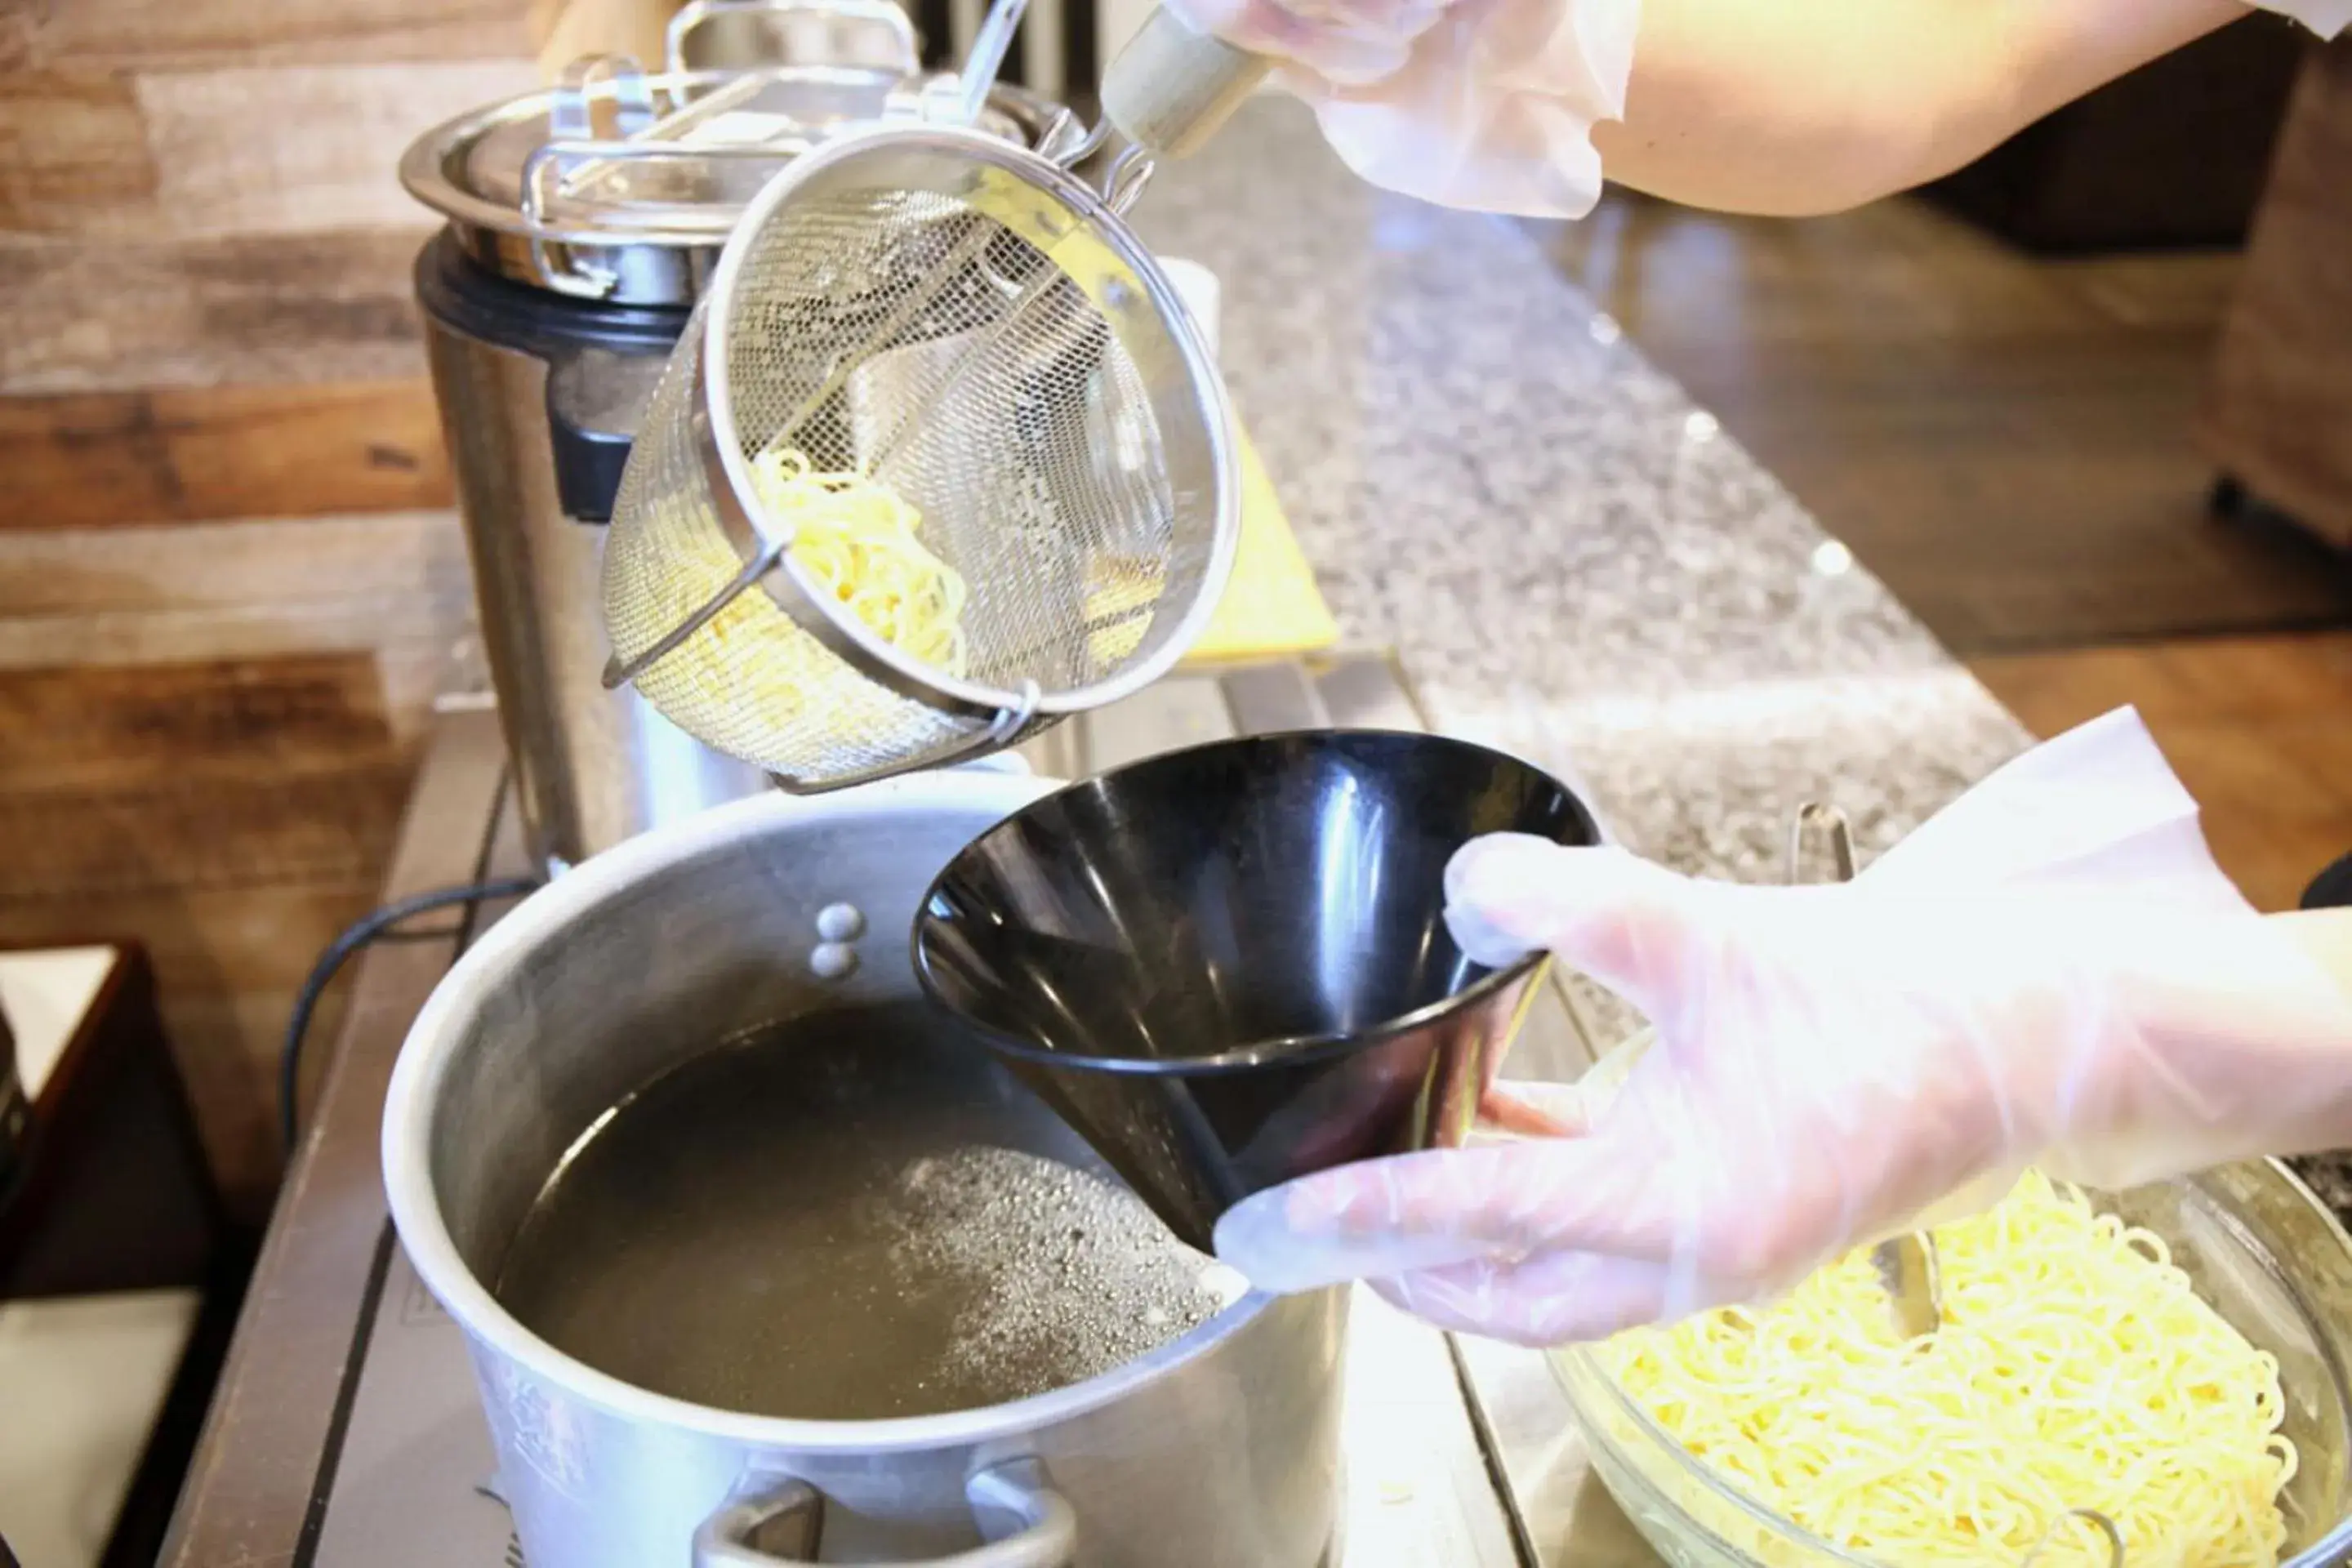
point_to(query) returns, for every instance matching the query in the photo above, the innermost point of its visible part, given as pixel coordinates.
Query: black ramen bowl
(1229, 967)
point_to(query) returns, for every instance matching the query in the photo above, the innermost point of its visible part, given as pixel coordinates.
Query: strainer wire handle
(838, 373)
(1001, 733)
(1028, 292)
(1130, 171)
(1069, 140)
(618, 673)
(988, 51)
(1821, 826)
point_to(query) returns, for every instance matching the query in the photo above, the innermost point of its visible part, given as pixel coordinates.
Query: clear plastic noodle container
(2258, 1246)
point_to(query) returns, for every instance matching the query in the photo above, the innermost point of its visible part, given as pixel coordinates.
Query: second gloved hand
(1832, 1066)
(1482, 104)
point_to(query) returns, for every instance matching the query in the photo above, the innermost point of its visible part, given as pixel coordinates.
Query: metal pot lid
(565, 188)
(659, 159)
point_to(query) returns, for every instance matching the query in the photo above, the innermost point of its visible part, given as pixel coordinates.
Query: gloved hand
(2058, 976)
(1483, 104)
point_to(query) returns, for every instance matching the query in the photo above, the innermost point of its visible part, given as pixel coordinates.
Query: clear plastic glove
(1484, 104)
(2053, 973)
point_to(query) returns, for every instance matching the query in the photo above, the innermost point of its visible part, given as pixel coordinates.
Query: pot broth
(850, 1217)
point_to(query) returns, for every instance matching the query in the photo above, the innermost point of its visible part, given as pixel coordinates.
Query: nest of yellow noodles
(2077, 1368)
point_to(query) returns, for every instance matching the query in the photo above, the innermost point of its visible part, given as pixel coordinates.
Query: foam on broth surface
(851, 1217)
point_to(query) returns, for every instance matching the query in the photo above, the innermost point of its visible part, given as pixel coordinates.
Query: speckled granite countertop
(1573, 562)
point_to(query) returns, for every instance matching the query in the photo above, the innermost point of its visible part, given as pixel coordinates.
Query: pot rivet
(833, 960)
(840, 922)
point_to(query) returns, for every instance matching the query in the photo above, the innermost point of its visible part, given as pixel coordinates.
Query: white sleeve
(2326, 17)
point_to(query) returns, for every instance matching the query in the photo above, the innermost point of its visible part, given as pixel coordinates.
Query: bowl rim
(1301, 1049)
(1568, 1362)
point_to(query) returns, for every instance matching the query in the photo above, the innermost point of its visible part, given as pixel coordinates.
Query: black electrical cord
(357, 936)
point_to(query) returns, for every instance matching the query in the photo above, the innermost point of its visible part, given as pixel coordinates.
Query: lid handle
(593, 80)
(872, 34)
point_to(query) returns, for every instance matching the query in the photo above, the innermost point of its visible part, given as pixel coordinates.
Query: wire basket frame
(967, 324)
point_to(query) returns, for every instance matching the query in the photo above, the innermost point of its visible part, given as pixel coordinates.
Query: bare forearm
(2326, 936)
(1788, 107)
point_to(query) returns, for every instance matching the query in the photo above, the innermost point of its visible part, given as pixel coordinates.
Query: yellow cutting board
(1271, 604)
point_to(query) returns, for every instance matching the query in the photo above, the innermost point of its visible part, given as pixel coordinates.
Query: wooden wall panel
(73, 153)
(188, 454)
(219, 172)
(210, 729)
(18, 24)
(189, 153)
(245, 309)
(232, 815)
(394, 587)
(205, 833)
(152, 34)
(97, 728)
(230, 585)
(388, 574)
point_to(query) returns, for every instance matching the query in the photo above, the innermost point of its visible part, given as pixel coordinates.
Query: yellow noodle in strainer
(2075, 1369)
(856, 536)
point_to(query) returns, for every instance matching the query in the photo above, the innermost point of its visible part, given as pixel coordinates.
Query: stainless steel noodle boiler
(583, 222)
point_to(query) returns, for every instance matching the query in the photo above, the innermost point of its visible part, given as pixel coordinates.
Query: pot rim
(422, 1065)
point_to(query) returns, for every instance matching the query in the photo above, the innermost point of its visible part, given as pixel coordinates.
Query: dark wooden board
(250, 719)
(2279, 402)
(232, 816)
(240, 309)
(179, 33)
(185, 454)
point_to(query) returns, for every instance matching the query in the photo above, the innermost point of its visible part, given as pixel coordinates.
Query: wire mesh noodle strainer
(966, 323)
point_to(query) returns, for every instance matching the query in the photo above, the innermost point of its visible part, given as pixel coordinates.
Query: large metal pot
(1220, 1448)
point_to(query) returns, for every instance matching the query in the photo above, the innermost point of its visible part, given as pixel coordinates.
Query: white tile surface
(82, 1381)
(43, 995)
